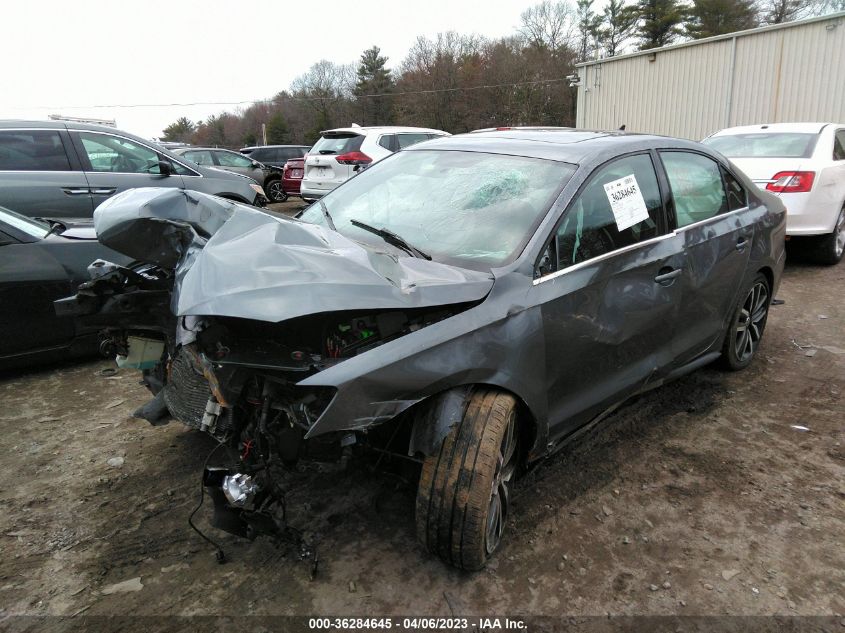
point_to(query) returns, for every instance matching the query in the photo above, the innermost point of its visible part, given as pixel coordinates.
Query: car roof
(763, 128)
(382, 128)
(254, 147)
(204, 148)
(562, 144)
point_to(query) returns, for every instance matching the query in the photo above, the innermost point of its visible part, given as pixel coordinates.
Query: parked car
(803, 164)
(41, 261)
(473, 303)
(65, 170)
(275, 155)
(292, 176)
(343, 152)
(270, 178)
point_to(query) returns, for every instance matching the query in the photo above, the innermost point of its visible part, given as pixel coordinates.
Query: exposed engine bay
(237, 379)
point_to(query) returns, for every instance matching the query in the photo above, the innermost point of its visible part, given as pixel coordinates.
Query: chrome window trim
(132, 140)
(631, 247)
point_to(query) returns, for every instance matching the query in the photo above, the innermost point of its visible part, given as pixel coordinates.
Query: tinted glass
(109, 153)
(388, 142)
(200, 157)
(696, 183)
(337, 144)
(478, 209)
(36, 150)
(406, 140)
(786, 145)
(839, 145)
(230, 159)
(737, 198)
(591, 228)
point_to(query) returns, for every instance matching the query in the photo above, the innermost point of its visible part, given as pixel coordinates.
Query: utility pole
(264, 134)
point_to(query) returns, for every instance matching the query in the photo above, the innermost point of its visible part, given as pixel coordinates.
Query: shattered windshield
(473, 207)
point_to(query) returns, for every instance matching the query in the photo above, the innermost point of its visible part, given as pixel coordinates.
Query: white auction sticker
(626, 201)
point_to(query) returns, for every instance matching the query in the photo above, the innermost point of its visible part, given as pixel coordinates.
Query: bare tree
(780, 11)
(550, 25)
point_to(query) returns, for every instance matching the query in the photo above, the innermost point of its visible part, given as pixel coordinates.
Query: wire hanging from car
(220, 555)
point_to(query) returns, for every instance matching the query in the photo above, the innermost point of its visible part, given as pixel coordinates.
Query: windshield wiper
(392, 238)
(327, 215)
(55, 226)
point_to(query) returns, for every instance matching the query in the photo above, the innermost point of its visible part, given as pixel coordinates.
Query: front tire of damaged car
(747, 325)
(463, 498)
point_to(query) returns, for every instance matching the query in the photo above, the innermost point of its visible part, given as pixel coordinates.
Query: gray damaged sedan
(471, 303)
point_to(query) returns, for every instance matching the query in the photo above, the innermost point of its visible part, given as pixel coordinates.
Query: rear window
(32, 150)
(337, 144)
(773, 145)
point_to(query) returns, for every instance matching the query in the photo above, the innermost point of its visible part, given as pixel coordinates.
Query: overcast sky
(61, 56)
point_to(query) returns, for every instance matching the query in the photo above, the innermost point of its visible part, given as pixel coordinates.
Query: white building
(784, 72)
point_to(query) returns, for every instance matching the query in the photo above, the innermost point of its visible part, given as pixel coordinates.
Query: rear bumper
(805, 216)
(291, 185)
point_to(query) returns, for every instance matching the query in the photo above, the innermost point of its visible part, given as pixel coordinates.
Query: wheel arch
(434, 417)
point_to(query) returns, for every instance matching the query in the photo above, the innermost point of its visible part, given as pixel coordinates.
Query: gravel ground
(718, 494)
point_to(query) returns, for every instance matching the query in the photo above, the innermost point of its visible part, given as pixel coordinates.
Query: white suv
(341, 153)
(803, 164)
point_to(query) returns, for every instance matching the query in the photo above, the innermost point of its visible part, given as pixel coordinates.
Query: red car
(292, 175)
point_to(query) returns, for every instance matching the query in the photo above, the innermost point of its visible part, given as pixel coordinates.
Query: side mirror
(165, 168)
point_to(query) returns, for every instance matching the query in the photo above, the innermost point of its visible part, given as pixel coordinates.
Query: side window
(737, 198)
(697, 188)
(406, 140)
(620, 206)
(32, 150)
(839, 145)
(388, 142)
(108, 153)
(230, 159)
(202, 157)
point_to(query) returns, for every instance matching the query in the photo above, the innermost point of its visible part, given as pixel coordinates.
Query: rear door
(709, 210)
(40, 175)
(608, 291)
(114, 163)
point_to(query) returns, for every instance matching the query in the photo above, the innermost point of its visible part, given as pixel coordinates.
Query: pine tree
(618, 24)
(277, 130)
(716, 17)
(180, 131)
(374, 79)
(659, 22)
(588, 24)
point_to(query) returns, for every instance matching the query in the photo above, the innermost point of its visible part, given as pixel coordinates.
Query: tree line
(460, 82)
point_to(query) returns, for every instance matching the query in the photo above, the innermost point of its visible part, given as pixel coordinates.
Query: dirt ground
(719, 494)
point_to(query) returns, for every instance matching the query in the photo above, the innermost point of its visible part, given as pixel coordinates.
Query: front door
(115, 163)
(608, 290)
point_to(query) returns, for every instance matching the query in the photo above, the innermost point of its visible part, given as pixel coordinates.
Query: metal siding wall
(789, 74)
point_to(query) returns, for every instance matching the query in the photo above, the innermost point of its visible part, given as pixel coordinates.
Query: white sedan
(804, 164)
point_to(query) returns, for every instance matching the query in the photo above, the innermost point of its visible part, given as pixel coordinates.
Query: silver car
(65, 170)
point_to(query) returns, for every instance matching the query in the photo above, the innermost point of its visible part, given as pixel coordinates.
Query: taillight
(792, 181)
(354, 158)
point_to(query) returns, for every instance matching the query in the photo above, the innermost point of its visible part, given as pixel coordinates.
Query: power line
(293, 98)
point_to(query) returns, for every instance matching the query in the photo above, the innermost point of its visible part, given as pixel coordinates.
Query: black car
(275, 155)
(41, 261)
(471, 303)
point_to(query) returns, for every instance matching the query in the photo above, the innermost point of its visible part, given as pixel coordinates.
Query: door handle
(104, 191)
(75, 191)
(668, 276)
(741, 243)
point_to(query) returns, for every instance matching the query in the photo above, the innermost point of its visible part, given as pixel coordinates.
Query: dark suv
(65, 170)
(275, 155)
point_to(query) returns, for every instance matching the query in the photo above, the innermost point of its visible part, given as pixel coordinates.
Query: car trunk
(763, 170)
(322, 169)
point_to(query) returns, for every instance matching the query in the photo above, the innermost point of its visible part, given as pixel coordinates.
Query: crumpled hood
(267, 268)
(235, 260)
